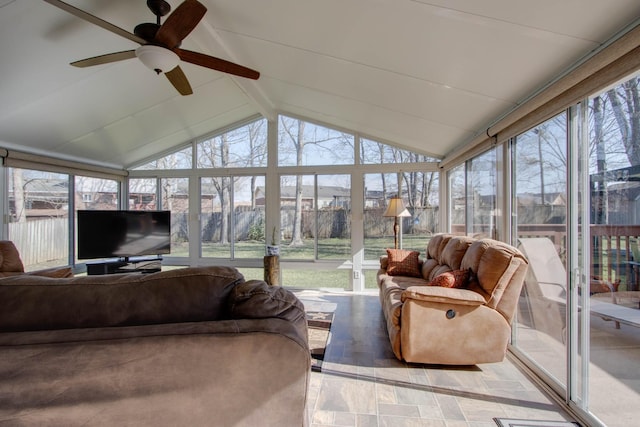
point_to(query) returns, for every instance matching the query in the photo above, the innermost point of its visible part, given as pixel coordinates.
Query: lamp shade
(396, 208)
(157, 58)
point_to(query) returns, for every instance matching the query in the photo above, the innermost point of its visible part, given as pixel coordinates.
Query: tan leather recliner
(454, 326)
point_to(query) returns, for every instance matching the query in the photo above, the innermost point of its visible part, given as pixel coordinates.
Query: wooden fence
(42, 240)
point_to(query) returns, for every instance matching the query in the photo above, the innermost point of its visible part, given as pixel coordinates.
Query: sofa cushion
(494, 263)
(455, 250)
(173, 296)
(451, 279)
(403, 263)
(436, 245)
(444, 295)
(255, 299)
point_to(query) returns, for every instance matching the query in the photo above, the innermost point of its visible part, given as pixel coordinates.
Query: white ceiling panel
(423, 74)
(407, 130)
(575, 18)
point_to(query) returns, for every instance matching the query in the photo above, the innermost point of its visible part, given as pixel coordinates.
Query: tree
(18, 195)
(295, 138)
(216, 153)
(258, 149)
(601, 198)
(625, 105)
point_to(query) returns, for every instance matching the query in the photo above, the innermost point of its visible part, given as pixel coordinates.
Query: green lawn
(328, 249)
(311, 278)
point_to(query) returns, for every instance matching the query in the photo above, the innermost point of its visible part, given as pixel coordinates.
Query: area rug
(319, 326)
(509, 422)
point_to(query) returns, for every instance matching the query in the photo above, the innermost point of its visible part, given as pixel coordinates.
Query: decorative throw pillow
(403, 263)
(451, 279)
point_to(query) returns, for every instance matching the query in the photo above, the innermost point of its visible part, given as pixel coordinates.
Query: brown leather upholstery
(10, 261)
(431, 324)
(11, 264)
(190, 347)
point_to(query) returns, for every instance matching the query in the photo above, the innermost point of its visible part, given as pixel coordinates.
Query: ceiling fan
(160, 43)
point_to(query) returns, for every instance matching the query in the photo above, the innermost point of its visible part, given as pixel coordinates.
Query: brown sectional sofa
(194, 346)
(454, 326)
(11, 264)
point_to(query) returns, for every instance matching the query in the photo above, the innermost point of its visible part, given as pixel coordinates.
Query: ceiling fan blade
(96, 21)
(217, 64)
(179, 81)
(180, 23)
(105, 59)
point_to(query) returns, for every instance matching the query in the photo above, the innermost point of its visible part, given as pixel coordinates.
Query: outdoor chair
(546, 288)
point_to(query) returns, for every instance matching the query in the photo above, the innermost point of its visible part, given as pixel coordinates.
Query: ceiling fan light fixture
(157, 58)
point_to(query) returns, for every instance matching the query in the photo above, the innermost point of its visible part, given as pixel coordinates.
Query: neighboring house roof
(47, 186)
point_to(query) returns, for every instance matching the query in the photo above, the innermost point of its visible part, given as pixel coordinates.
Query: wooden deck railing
(615, 251)
(615, 255)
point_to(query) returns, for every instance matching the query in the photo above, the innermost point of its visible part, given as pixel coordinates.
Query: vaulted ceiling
(427, 75)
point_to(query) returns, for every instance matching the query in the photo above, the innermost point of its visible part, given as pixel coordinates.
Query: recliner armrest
(441, 294)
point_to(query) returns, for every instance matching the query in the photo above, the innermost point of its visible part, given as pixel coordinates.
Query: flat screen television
(123, 234)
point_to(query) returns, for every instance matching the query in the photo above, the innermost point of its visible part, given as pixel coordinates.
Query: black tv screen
(123, 234)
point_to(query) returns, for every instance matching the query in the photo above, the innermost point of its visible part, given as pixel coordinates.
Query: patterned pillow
(451, 279)
(403, 263)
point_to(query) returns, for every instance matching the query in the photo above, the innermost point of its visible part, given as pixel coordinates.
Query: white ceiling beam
(251, 88)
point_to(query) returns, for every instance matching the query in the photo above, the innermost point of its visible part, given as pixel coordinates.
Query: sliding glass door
(610, 286)
(576, 216)
(539, 183)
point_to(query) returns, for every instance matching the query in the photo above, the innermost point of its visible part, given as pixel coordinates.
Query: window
(457, 199)
(39, 217)
(611, 173)
(482, 194)
(245, 147)
(96, 193)
(315, 216)
(175, 198)
(178, 160)
(419, 192)
(315, 169)
(302, 143)
(540, 212)
(378, 153)
(232, 217)
(142, 194)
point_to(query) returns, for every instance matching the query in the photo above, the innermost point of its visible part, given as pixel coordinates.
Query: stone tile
(385, 393)
(344, 395)
(390, 421)
(431, 412)
(455, 423)
(417, 395)
(450, 408)
(399, 410)
(344, 419)
(322, 417)
(362, 384)
(366, 420)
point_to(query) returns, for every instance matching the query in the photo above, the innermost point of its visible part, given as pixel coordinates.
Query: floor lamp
(396, 210)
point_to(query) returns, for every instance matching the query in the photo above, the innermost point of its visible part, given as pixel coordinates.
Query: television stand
(126, 265)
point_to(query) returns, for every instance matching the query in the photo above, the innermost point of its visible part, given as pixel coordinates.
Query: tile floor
(363, 384)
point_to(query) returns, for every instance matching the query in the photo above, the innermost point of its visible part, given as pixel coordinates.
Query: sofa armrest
(55, 272)
(444, 295)
(255, 299)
